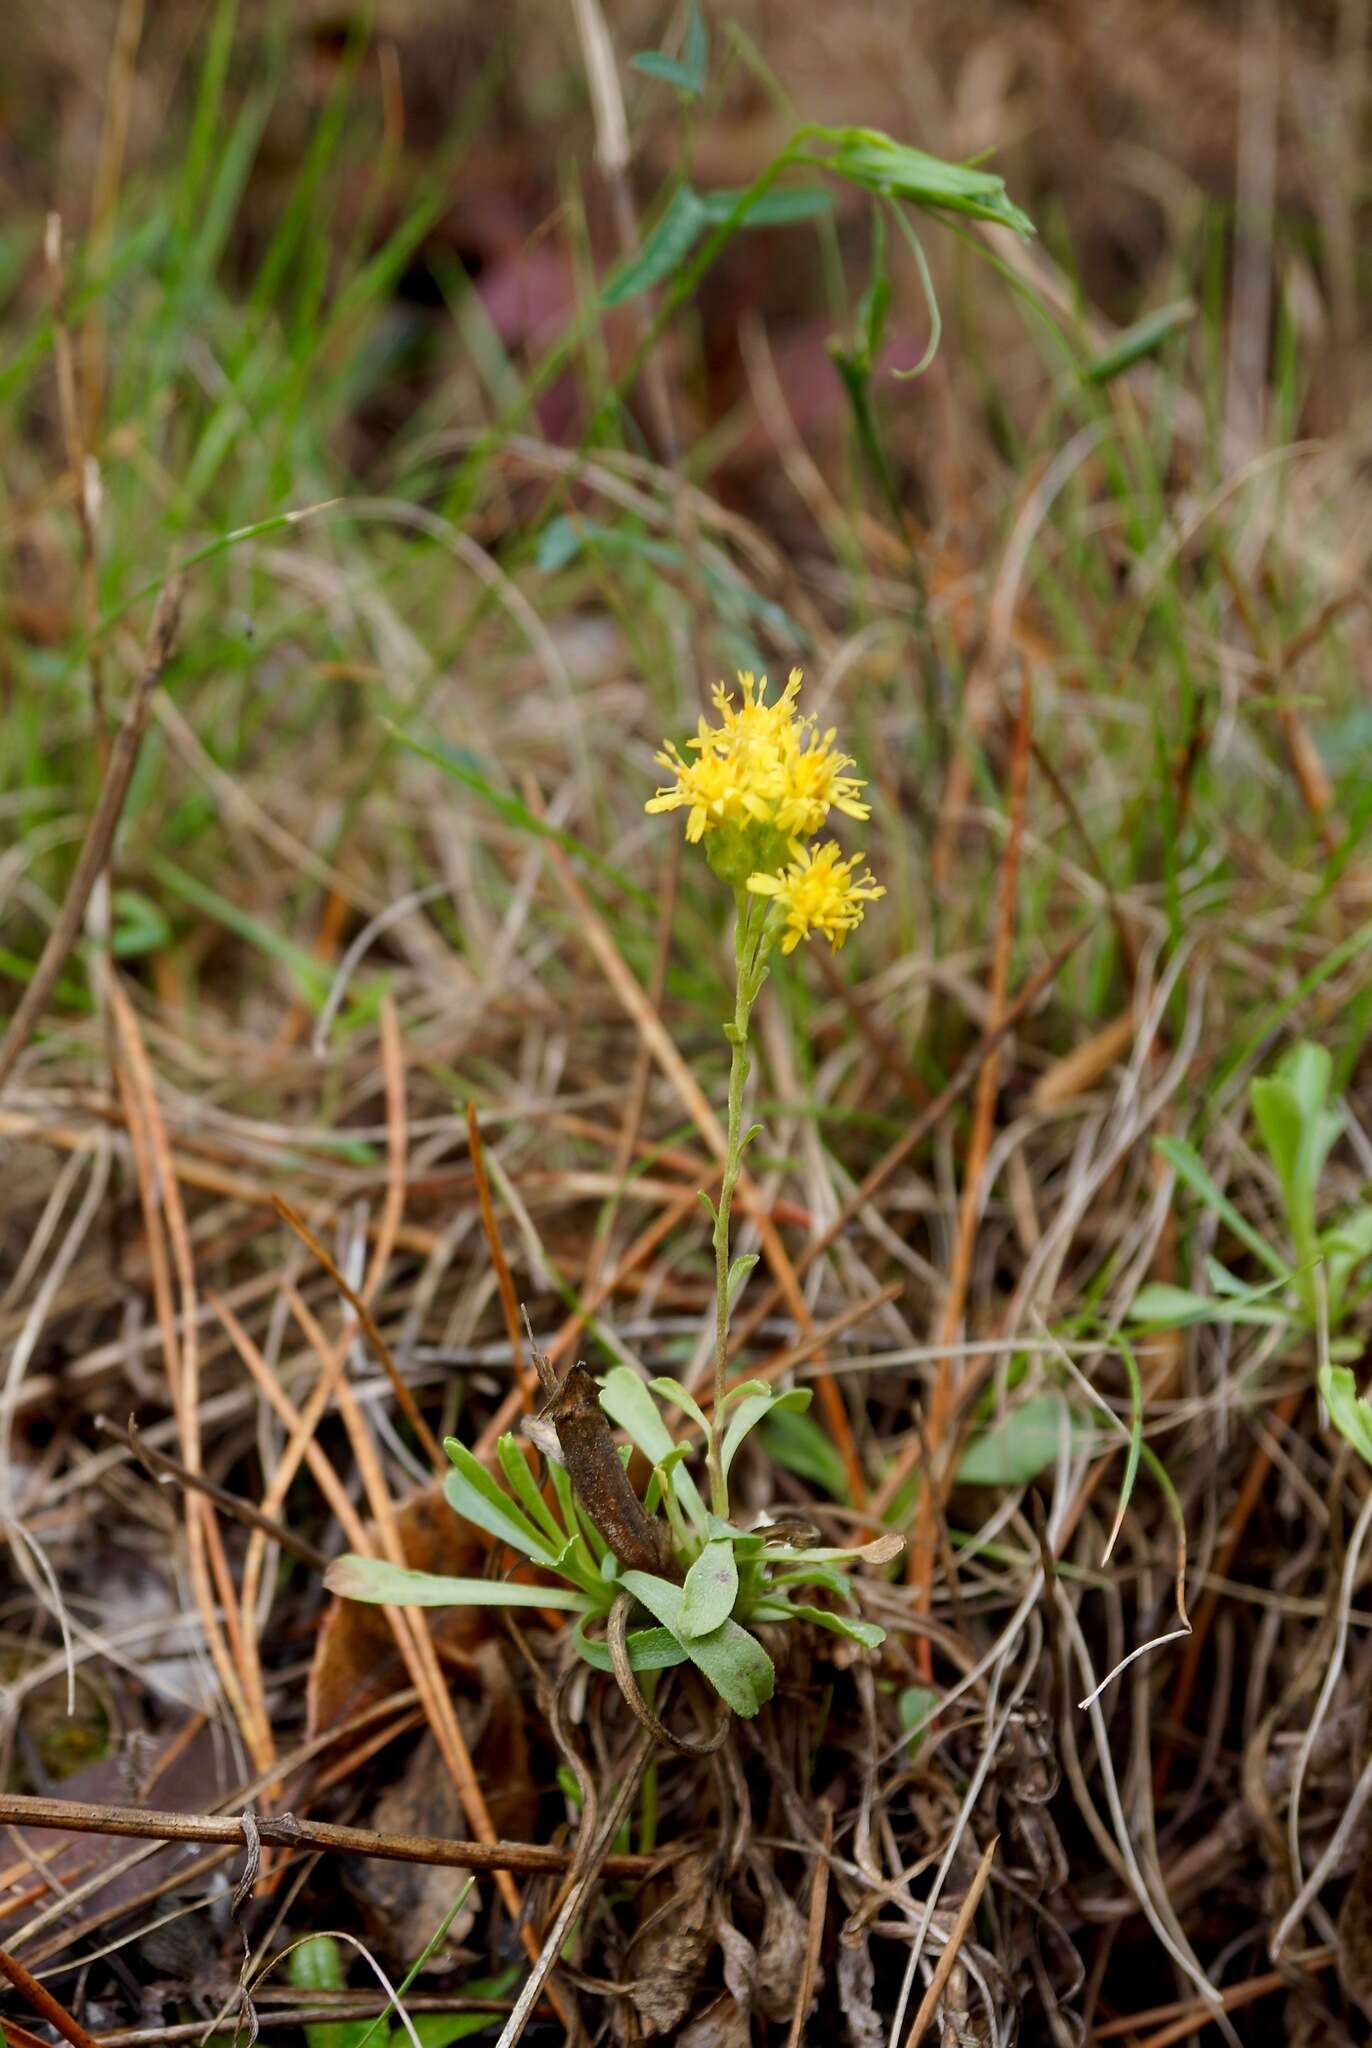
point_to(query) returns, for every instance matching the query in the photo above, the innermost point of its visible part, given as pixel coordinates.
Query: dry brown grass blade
(957, 1934)
(814, 1932)
(509, 1302)
(239, 1670)
(99, 833)
(43, 2003)
(380, 1349)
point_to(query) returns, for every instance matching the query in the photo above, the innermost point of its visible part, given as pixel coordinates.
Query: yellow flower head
(819, 891)
(763, 771)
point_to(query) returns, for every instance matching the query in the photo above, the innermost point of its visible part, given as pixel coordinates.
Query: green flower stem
(750, 957)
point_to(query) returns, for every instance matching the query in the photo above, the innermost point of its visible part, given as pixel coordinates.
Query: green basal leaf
(650, 1649)
(711, 1588)
(916, 1707)
(735, 1663)
(750, 1410)
(868, 1633)
(382, 1584)
(627, 1401)
(880, 1550)
(525, 1489)
(472, 1491)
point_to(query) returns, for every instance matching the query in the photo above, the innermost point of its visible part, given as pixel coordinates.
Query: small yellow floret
(819, 891)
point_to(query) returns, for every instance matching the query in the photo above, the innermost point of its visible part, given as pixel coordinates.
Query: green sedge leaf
(471, 1490)
(526, 1491)
(1144, 338)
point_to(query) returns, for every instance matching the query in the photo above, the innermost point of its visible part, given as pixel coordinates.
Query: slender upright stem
(747, 950)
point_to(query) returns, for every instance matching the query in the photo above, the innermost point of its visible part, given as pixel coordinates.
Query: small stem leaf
(681, 1397)
(391, 1585)
(735, 1663)
(695, 50)
(778, 208)
(709, 1206)
(670, 70)
(751, 1409)
(738, 1273)
(711, 1589)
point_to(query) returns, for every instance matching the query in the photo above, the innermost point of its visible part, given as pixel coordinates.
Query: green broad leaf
(1018, 1446)
(650, 1649)
(1144, 338)
(670, 70)
(780, 207)
(735, 1663)
(681, 1397)
(391, 1585)
(738, 1273)
(526, 1491)
(1277, 1113)
(668, 245)
(475, 1494)
(1349, 1411)
(139, 925)
(867, 157)
(798, 1444)
(627, 1401)
(711, 1589)
(751, 1409)
(1188, 1166)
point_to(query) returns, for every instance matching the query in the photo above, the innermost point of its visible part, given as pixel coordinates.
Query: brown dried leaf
(725, 2025)
(781, 1949)
(403, 1903)
(670, 1959)
(856, 1985)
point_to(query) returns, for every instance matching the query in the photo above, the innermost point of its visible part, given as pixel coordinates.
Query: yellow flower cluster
(757, 785)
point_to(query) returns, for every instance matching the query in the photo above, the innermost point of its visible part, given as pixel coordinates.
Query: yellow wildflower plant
(819, 891)
(756, 786)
